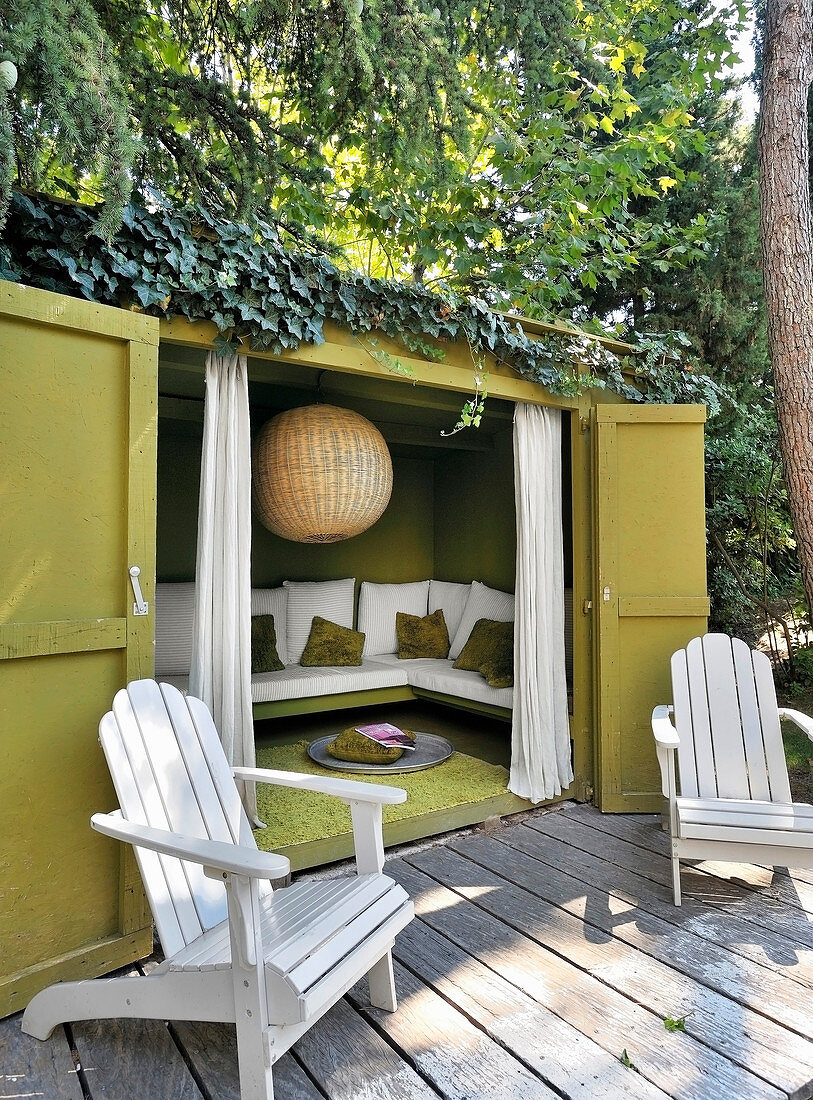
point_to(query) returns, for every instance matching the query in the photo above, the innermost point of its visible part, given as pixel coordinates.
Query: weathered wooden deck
(544, 962)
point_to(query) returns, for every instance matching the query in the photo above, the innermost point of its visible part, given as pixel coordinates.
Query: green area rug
(294, 817)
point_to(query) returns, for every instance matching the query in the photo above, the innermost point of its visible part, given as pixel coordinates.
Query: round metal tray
(430, 749)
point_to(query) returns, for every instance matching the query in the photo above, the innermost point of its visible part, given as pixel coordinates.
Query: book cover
(385, 733)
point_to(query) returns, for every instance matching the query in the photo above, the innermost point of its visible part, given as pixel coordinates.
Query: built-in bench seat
(382, 677)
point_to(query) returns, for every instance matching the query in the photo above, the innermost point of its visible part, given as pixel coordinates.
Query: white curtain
(540, 735)
(221, 647)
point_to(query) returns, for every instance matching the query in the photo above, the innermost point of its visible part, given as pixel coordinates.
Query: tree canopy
(514, 151)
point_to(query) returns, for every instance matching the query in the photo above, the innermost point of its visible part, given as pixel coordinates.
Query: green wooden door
(650, 582)
(78, 399)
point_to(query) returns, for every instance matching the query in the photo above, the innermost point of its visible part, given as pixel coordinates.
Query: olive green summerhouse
(100, 438)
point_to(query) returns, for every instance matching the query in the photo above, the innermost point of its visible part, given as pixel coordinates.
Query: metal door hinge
(140, 607)
(587, 607)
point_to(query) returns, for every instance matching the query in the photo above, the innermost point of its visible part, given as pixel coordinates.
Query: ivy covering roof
(172, 262)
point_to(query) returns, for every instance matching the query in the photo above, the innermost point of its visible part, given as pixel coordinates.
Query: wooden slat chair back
(734, 801)
(727, 719)
(270, 961)
(170, 772)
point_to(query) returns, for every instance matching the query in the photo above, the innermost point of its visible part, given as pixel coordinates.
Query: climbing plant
(187, 262)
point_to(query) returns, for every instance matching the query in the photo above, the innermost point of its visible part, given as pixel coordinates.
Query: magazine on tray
(385, 733)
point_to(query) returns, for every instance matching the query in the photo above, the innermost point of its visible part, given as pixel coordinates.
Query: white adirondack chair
(734, 802)
(270, 961)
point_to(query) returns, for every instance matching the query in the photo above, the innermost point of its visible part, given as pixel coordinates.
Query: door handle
(140, 607)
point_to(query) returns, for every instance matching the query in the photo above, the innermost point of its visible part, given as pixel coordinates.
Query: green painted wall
(475, 530)
(475, 522)
(179, 445)
(397, 548)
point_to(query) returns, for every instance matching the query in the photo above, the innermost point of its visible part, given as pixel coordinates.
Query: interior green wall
(475, 529)
(399, 547)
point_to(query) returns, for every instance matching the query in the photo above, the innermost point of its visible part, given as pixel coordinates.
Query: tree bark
(787, 252)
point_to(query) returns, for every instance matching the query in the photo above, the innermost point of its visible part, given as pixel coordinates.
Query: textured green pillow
(489, 644)
(264, 656)
(355, 748)
(499, 673)
(330, 644)
(418, 636)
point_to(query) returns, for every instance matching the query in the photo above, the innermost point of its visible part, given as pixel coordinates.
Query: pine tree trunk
(787, 252)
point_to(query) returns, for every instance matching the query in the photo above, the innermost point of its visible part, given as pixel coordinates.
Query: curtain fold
(221, 646)
(540, 733)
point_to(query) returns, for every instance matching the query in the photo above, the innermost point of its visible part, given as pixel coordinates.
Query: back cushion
(378, 605)
(483, 603)
(174, 618)
(332, 600)
(451, 598)
(274, 601)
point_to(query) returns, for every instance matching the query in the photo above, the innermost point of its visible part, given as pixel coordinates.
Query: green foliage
(675, 1023)
(189, 263)
(518, 152)
(627, 1061)
(802, 681)
(752, 565)
(69, 112)
(577, 203)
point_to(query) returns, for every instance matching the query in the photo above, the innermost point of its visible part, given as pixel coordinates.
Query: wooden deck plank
(732, 886)
(572, 1063)
(349, 1060)
(456, 1057)
(665, 969)
(674, 1061)
(122, 1059)
(553, 839)
(32, 1068)
(212, 1049)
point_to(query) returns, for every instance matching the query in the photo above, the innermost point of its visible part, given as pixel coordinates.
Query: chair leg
(676, 873)
(382, 984)
(254, 1062)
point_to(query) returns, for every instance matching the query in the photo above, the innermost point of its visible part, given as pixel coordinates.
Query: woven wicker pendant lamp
(320, 474)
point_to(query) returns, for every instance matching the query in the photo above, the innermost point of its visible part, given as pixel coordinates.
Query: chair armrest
(801, 720)
(215, 854)
(346, 789)
(662, 728)
(666, 741)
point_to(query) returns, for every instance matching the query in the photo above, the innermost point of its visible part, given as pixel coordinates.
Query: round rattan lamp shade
(320, 474)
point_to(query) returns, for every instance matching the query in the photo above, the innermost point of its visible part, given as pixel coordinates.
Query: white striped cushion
(378, 604)
(300, 682)
(274, 601)
(174, 618)
(483, 603)
(451, 598)
(333, 600)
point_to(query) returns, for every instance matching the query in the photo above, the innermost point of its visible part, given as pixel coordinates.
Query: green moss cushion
(418, 636)
(330, 644)
(490, 645)
(264, 656)
(498, 674)
(354, 747)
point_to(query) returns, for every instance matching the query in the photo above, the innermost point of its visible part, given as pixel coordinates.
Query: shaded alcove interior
(451, 515)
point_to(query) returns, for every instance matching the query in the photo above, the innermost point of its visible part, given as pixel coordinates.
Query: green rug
(294, 817)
